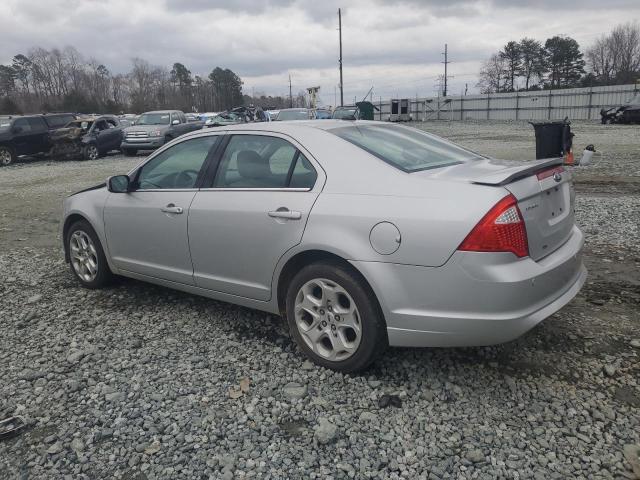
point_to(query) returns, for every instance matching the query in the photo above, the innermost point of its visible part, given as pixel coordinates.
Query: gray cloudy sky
(393, 45)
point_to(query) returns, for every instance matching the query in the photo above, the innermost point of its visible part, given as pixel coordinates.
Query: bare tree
(492, 75)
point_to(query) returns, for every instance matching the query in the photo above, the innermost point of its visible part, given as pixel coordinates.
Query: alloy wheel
(5, 157)
(84, 256)
(328, 319)
(92, 152)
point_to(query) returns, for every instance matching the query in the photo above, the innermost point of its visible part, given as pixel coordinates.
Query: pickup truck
(153, 129)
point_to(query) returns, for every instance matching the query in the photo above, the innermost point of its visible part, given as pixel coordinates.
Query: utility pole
(446, 62)
(340, 61)
(290, 95)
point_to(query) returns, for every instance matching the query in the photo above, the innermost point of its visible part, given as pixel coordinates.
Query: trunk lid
(543, 189)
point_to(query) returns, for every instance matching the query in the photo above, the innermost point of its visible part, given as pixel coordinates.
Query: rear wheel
(129, 152)
(90, 152)
(335, 318)
(86, 256)
(7, 157)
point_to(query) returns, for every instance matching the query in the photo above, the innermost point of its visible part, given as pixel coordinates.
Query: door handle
(285, 213)
(171, 208)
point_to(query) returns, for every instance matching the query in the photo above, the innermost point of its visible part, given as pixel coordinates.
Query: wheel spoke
(328, 319)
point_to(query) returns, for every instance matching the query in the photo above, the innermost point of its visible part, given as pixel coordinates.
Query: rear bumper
(475, 298)
(143, 144)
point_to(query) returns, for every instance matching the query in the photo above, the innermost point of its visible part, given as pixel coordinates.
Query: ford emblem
(557, 177)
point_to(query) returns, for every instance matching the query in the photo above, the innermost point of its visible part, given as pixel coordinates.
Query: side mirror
(175, 122)
(118, 184)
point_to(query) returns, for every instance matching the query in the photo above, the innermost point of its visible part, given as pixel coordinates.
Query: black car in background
(87, 137)
(24, 135)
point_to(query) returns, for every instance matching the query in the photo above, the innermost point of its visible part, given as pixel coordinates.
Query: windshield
(293, 115)
(405, 148)
(153, 119)
(322, 114)
(5, 122)
(349, 113)
(83, 124)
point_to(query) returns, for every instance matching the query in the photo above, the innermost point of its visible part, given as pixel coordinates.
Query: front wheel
(7, 157)
(86, 257)
(335, 318)
(90, 152)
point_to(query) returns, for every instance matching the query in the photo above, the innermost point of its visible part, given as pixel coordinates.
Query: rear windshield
(293, 115)
(405, 148)
(345, 113)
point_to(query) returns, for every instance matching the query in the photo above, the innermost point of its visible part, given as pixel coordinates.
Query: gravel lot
(141, 382)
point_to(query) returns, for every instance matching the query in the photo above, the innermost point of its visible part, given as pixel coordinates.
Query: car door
(23, 137)
(39, 135)
(146, 229)
(106, 135)
(254, 210)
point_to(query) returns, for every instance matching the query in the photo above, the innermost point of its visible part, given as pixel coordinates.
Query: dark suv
(28, 134)
(25, 135)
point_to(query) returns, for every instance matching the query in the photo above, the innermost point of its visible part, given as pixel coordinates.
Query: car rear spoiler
(515, 172)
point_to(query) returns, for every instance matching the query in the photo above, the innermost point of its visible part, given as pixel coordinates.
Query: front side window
(23, 124)
(407, 149)
(176, 167)
(258, 161)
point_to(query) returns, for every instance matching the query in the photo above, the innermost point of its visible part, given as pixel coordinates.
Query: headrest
(252, 165)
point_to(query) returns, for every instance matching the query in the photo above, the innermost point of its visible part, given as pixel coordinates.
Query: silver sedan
(362, 234)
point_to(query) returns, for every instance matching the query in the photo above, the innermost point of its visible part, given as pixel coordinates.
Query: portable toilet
(405, 116)
(395, 110)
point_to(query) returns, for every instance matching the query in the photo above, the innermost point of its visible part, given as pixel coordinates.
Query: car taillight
(500, 230)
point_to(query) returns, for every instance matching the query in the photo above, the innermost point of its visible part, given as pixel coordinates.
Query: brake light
(549, 172)
(502, 229)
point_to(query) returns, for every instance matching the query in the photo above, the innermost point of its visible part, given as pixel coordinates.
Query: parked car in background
(294, 114)
(346, 113)
(629, 112)
(193, 118)
(87, 137)
(127, 119)
(154, 129)
(224, 118)
(322, 114)
(413, 242)
(22, 135)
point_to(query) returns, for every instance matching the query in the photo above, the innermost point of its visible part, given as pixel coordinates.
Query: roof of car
(163, 111)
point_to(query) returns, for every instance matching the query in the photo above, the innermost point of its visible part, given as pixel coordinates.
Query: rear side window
(37, 124)
(260, 161)
(58, 121)
(405, 148)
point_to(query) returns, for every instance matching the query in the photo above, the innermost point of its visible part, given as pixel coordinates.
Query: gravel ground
(141, 382)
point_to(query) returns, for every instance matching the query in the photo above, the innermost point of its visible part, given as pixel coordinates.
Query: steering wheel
(185, 179)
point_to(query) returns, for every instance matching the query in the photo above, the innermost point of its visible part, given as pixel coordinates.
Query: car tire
(86, 256)
(90, 152)
(129, 152)
(7, 156)
(332, 337)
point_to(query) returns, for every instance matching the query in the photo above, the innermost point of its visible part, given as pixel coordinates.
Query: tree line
(63, 80)
(614, 59)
